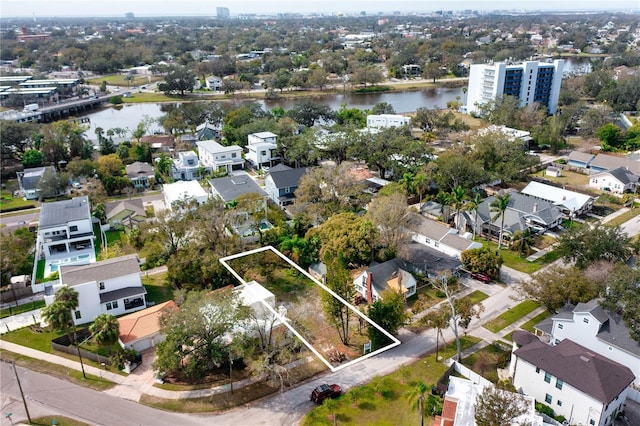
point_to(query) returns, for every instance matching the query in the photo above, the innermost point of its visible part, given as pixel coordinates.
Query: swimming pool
(54, 266)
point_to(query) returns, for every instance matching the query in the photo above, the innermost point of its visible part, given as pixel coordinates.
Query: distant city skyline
(142, 8)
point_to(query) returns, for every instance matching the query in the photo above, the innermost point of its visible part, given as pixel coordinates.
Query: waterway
(128, 116)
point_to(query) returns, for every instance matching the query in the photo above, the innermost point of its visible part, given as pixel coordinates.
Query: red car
(324, 391)
(481, 276)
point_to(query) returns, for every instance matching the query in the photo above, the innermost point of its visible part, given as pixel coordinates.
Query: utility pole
(24, 401)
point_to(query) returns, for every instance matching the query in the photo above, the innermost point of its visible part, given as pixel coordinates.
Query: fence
(8, 295)
(63, 344)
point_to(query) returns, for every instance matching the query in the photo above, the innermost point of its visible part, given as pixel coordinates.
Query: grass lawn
(60, 420)
(382, 401)
(113, 237)
(14, 310)
(476, 297)
(118, 80)
(63, 373)
(138, 98)
(31, 339)
(8, 202)
(624, 217)
(513, 259)
(486, 361)
(533, 321)
(158, 290)
(577, 180)
(512, 315)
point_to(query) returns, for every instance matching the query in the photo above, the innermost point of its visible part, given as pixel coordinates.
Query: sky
(117, 8)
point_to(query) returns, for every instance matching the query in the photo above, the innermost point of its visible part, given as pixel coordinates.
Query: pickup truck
(324, 391)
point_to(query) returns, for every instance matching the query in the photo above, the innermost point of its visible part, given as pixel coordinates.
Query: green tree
(307, 112)
(622, 296)
(389, 313)
(483, 260)
(611, 137)
(16, 256)
(32, 158)
(105, 329)
(473, 206)
(556, 286)
(498, 206)
(338, 281)
(522, 241)
(586, 244)
(495, 407)
(390, 214)
(60, 314)
(347, 236)
(178, 80)
(51, 183)
(457, 199)
(416, 396)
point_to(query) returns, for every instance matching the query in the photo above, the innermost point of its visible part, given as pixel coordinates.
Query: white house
(220, 158)
(184, 191)
(261, 149)
(571, 203)
(439, 236)
(213, 83)
(584, 387)
(603, 332)
(65, 235)
(186, 166)
(141, 330)
(619, 181)
(387, 120)
(392, 274)
(112, 286)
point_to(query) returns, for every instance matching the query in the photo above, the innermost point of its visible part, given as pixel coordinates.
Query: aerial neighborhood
(405, 217)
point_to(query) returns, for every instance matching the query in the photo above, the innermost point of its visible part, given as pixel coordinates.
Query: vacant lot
(512, 315)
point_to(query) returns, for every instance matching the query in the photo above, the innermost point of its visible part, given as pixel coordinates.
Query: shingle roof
(62, 212)
(608, 162)
(134, 205)
(232, 187)
(427, 227)
(592, 374)
(381, 273)
(426, 259)
(138, 169)
(582, 157)
(121, 293)
(100, 271)
(30, 177)
(592, 307)
(143, 323)
(620, 173)
(287, 178)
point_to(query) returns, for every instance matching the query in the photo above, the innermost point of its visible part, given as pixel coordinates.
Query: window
(559, 383)
(559, 403)
(592, 422)
(585, 320)
(108, 306)
(101, 285)
(547, 377)
(233, 155)
(560, 326)
(73, 228)
(263, 153)
(437, 244)
(548, 398)
(114, 304)
(77, 314)
(537, 370)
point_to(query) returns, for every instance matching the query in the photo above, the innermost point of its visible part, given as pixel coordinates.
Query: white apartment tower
(530, 82)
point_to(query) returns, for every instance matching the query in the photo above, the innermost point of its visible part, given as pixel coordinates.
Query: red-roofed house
(141, 330)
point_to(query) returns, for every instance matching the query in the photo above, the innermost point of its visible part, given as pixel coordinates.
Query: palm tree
(58, 317)
(457, 198)
(522, 242)
(473, 205)
(444, 199)
(421, 183)
(498, 206)
(416, 396)
(105, 329)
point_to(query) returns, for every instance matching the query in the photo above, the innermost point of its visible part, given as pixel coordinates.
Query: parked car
(481, 276)
(324, 391)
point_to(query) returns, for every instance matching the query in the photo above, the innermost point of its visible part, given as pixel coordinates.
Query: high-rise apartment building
(222, 12)
(530, 81)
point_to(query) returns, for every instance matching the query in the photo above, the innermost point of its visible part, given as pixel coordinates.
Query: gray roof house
(281, 183)
(392, 274)
(125, 212)
(28, 180)
(140, 174)
(604, 162)
(231, 187)
(579, 159)
(439, 236)
(207, 131)
(618, 180)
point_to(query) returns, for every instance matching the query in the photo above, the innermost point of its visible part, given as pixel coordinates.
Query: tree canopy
(587, 244)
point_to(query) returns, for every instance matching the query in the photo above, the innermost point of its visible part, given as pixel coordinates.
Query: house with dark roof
(579, 384)
(604, 162)
(160, 143)
(28, 180)
(524, 212)
(428, 261)
(207, 131)
(127, 213)
(281, 183)
(601, 331)
(618, 181)
(390, 275)
(65, 235)
(140, 174)
(231, 187)
(112, 286)
(141, 330)
(581, 160)
(439, 236)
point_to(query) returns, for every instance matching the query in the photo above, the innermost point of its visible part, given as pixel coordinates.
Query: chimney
(535, 207)
(369, 288)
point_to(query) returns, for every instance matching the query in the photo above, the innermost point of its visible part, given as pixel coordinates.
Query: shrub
(544, 409)
(116, 100)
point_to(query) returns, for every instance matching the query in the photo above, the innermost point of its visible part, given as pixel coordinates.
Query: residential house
(375, 184)
(141, 330)
(618, 181)
(379, 121)
(439, 236)
(140, 174)
(432, 209)
(65, 235)
(28, 180)
(207, 131)
(604, 162)
(390, 275)
(231, 187)
(522, 213)
(262, 149)
(581, 160)
(459, 405)
(570, 203)
(213, 83)
(112, 286)
(128, 213)
(281, 183)
(184, 191)
(584, 387)
(186, 166)
(601, 331)
(427, 261)
(220, 158)
(160, 143)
